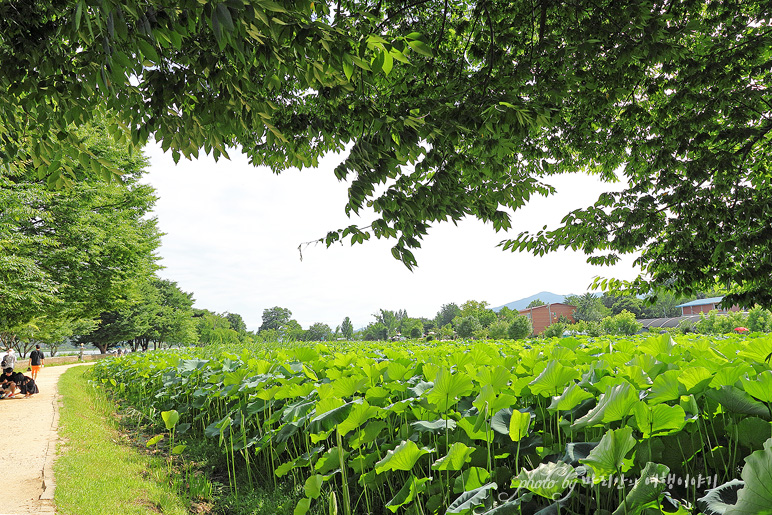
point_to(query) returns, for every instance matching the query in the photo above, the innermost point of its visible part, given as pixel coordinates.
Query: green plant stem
(344, 476)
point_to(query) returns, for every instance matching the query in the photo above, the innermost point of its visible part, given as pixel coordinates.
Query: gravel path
(29, 429)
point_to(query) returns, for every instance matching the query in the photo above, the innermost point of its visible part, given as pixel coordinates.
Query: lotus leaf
(412, 487)
(402, 458)
(608, 458)
(472, 499)
(458, 455)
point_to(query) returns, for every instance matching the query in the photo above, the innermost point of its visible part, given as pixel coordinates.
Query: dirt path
(28, 447)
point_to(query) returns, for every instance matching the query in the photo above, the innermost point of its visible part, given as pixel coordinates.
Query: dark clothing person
(36, 358)
(26, 385)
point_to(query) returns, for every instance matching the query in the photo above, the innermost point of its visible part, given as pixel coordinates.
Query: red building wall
(705, 308)
(544, 316)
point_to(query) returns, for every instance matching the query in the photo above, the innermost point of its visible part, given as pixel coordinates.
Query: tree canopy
(275, 318)
(74, 253)
(445, 110)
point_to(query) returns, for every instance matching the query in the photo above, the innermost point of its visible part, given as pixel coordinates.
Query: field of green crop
(631, 425)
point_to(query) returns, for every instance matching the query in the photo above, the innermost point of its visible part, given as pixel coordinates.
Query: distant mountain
(545, 296)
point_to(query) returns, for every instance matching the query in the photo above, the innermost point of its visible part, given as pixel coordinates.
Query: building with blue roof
(698, 306)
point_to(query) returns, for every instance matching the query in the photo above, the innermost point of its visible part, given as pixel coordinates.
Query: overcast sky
(232, 233)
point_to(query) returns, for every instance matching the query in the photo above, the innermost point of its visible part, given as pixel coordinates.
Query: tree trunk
(25, 348)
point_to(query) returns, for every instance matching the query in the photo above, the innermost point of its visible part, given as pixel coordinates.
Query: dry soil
(28, 447)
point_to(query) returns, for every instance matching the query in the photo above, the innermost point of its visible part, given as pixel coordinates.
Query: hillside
(545, 296)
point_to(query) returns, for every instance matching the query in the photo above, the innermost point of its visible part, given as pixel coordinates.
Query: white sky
(232, 233)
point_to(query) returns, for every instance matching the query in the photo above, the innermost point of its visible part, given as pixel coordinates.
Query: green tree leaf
(420, 47)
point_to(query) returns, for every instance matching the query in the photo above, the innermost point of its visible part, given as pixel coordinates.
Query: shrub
(623, 324)
(498, 330)
(594, 329)
(626, 323)
(607, 325)
(714, 323)
(445, 332)
(687, 326)
(759, 320)
(520, 328)
(555, 330)
(481, 334)
(468, 326)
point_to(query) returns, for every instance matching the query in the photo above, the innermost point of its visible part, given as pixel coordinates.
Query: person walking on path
(36, 358)
(9, 360)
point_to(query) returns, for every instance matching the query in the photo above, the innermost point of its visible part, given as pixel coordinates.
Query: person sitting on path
(5, 387)
(36, 358)
(14, 380)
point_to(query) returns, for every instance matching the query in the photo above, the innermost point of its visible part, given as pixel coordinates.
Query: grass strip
(97, 470)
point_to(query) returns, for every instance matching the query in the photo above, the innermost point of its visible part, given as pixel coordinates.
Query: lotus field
(636, 425)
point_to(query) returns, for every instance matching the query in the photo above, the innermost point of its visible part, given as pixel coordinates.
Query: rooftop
(701, 302)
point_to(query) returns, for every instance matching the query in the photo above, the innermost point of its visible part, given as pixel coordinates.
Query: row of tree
(69, 254)
(78, 262)
(471, 319)
(594, 315)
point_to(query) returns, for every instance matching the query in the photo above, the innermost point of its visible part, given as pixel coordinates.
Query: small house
(698, 306)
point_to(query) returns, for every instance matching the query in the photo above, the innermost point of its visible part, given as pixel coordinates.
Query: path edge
(47, 474)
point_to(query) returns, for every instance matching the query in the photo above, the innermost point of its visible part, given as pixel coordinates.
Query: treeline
(471, 320)
(474, 319)
(78, 259)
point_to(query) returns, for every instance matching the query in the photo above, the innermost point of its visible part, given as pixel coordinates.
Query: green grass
(98, 471)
